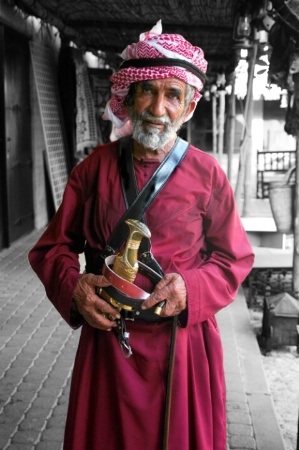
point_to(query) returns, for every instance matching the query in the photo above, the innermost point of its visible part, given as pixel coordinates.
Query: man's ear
(190, 108)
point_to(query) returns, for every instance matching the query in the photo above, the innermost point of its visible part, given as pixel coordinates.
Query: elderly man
(200, 253)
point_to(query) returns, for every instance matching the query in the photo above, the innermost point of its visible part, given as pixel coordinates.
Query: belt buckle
(128, 314)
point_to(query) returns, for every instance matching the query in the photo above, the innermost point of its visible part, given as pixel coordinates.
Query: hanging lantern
(242, 33)
(243, 27)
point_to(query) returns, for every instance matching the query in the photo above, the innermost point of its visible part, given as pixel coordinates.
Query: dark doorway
(16, 193)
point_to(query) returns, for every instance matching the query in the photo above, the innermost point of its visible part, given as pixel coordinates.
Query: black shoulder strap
(130, 192)
(139, 204)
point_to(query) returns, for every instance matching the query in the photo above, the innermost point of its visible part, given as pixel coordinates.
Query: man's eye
(173, 96)
(146, 90)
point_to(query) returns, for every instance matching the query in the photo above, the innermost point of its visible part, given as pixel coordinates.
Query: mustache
(145, 115)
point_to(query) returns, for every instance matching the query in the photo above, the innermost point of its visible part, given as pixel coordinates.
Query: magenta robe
(118, 403)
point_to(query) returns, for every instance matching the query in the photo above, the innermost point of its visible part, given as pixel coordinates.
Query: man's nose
(157, 107)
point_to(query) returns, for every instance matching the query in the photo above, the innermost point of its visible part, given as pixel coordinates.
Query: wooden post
(245, 146)
(221, 117)
(296, 203)
(248, 168)
(296, 224)
(214, 122)
(248, 157)
(230, 130)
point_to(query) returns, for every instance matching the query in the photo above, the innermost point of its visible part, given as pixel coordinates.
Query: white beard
(153, 138)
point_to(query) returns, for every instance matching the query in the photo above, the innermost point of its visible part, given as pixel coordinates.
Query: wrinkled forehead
(163, 84)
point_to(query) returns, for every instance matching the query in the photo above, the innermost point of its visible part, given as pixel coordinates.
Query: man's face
(158, 111)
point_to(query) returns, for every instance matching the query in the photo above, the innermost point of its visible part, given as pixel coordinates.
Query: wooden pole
(248, 156)
(296, 216)
(214, 122)
(296, 202)
(230, 134)
(245, 146)
(221, 117)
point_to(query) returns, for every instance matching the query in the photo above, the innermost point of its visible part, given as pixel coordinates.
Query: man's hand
(90, 305)
(171, 288)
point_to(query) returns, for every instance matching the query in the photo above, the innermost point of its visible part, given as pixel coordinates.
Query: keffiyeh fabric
(152, 45)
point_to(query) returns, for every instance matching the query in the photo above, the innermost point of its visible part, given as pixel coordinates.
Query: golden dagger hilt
(126, 262)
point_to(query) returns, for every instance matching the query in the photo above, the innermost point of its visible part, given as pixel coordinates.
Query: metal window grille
(51, 116)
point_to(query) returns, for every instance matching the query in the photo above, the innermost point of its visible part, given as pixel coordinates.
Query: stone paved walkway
(37, 350)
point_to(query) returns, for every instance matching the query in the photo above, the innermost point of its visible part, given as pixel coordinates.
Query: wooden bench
(271, 166)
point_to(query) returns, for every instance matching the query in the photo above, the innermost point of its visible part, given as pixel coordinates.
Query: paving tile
(32, 423)
(25, 437)
(239, 406)
(243, 442)
(240, 430)
(239, 417)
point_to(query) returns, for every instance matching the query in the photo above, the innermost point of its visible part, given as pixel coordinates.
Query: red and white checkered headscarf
(153, 45)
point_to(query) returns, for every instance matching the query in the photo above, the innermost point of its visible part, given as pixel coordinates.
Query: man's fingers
(96, 311)
(105, 308)
(100, 314)
(172, 290)
(100, 320)
(96, 280)
(157, 296)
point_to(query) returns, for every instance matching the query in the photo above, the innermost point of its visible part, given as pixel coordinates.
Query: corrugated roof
(110, 25)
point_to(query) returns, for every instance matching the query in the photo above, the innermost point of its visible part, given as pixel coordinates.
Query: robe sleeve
(215, 283)
(55, 258)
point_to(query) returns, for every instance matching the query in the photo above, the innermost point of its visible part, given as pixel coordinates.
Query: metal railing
(272, 165)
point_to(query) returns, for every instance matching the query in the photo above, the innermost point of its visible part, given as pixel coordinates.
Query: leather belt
(124, 286)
